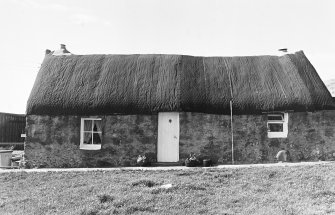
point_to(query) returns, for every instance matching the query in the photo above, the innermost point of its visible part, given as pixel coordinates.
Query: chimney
(283, 50)
(61, 51)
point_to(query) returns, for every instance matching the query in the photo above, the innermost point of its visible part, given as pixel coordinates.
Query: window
(277, 125)
(90, 134)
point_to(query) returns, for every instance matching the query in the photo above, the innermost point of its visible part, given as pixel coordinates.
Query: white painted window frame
(284, 122)
(88, 146)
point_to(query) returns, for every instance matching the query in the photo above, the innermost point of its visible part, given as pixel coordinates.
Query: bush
(192, 161)
(143, 161)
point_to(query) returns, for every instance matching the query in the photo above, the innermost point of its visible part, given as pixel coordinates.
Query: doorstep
(166, 164)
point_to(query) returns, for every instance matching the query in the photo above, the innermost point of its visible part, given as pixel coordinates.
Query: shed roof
(144, 84)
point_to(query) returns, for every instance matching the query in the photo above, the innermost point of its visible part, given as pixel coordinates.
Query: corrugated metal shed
(11, 128)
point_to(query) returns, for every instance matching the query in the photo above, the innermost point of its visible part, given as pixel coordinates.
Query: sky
(190, 27)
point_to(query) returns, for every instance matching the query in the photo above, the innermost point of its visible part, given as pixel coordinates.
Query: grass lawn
(275, 190)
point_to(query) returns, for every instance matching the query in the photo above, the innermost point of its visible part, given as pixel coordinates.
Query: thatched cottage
(105, 110)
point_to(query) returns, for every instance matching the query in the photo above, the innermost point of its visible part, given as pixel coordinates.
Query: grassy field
(277, 190)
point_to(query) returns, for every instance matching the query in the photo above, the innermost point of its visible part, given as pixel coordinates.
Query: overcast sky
(192, 27)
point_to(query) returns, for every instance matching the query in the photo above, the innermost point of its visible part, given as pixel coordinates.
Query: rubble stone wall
(53, 141)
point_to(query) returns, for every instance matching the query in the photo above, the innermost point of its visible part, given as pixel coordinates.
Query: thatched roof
(133, 84)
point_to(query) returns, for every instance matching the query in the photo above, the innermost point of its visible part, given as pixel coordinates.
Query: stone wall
(310, 137)
(54, 141)
(210, 136)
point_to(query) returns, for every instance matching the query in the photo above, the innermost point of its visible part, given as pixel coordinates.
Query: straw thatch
(133, 84)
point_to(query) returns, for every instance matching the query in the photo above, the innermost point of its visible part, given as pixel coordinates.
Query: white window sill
(277, 135)
(90, 147)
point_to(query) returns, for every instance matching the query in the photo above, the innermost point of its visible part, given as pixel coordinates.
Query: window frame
(89, 146)
(284, 122)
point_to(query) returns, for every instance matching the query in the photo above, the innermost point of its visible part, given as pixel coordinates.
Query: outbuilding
(12, 130)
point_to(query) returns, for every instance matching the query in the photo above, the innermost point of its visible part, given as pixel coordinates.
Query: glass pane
(275, 127)
(87, 138)
(97, 125)
(87, 125)
(96, 138)
(276, 117)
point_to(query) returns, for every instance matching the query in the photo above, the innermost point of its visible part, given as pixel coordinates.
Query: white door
(168, 137)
